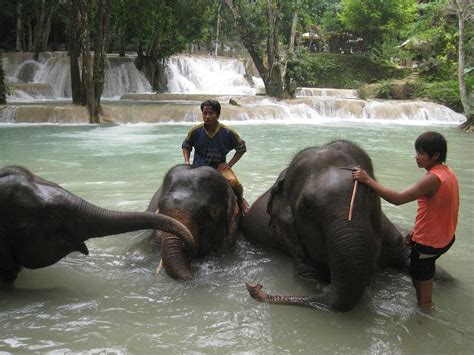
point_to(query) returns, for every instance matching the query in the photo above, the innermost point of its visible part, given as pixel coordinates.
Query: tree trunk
(100, 45)
(74, 45)
(218, 25)
(18, 26)
(464, 12)
(43, 26)
(293, 29)
(121, 40)
(153, 70)
(268, 64)
(274, 79)
(30, 36)
(85, 22)
(151, 65)
(3, 89)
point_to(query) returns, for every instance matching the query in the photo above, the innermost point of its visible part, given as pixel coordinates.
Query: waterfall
(190, 80)
(208, 75)
(121, 77)
(344, 93)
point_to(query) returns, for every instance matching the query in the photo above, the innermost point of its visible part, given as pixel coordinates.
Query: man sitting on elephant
(212, 141)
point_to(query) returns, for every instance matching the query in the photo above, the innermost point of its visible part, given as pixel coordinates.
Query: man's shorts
(231, 177)
(423, 258)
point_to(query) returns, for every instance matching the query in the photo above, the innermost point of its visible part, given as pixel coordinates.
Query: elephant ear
(276, 190)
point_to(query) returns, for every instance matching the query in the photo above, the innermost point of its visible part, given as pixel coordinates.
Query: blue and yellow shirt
(212, 149)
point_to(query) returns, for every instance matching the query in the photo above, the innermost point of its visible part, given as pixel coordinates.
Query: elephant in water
(41, 222)
(203, 200)
(305, 214)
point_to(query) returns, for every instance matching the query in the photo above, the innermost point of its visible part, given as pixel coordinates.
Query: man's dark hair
(213, 104)
(430, 143)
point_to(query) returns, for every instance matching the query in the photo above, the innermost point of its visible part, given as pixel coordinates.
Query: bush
(342, 71)
(445, 92)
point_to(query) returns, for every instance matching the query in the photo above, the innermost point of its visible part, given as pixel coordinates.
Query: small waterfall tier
(53, 70)
(210, 75)
(340, 93)
(250, 108)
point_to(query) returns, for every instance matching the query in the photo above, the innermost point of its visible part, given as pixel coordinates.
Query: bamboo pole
(351, 207)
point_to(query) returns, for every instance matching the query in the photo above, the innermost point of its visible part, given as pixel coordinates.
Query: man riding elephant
(212, 141)
(204, 202)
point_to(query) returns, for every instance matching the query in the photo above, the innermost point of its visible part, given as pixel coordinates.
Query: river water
(103, 303)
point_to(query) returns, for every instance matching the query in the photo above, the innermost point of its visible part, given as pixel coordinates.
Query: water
(103, 304)
(40, 91)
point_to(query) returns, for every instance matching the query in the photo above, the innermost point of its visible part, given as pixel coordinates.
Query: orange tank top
(437, 216)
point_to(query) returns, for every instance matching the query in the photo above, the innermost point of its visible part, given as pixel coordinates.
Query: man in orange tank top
(437, 193)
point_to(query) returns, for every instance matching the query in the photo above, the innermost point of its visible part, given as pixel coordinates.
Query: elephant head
(41, 222)
(308, 210)
(202, 199)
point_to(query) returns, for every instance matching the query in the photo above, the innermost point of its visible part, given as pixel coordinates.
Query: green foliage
(177, 23)
(388, 52)
(445, 92)
(376, 20)
(341, 71)
(331, 21)
(432, 38)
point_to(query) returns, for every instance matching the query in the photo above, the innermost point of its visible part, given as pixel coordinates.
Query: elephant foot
(256, 291)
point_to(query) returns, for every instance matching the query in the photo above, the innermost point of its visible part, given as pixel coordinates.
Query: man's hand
(408, 238)
(223, 166)
(360, 174)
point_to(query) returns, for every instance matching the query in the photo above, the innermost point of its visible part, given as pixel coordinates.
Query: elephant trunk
(175, 261)
(176, 256)
(98, 222)
(352, 256)
(351, 262)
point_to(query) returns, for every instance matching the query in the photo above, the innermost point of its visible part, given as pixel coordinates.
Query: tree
(465, 12)
(257, 24)
(92, 78)
(74, 47)
(161, 28)
(3, 90)
(43, 25)
(375, 20)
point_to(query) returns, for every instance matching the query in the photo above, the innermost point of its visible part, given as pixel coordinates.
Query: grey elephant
(41, 222)
(305, 214)
(203, 200)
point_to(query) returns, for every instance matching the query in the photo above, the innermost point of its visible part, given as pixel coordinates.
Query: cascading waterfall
(209, 75)
(123, 77)
(191, 79)
(30, 78)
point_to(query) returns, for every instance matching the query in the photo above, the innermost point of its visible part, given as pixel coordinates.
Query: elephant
(41, 223)
(203, 200)
(305, 215)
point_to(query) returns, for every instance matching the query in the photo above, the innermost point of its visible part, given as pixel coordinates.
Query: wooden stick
(158, 269)
(354, 191)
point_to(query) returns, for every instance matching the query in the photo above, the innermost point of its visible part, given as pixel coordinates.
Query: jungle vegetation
(417, 48)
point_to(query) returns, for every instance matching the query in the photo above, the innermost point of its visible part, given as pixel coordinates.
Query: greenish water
(102, 303)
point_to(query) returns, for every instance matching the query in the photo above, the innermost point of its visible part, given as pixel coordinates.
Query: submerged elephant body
(305, 214)
(41, 222)
(202, 199)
